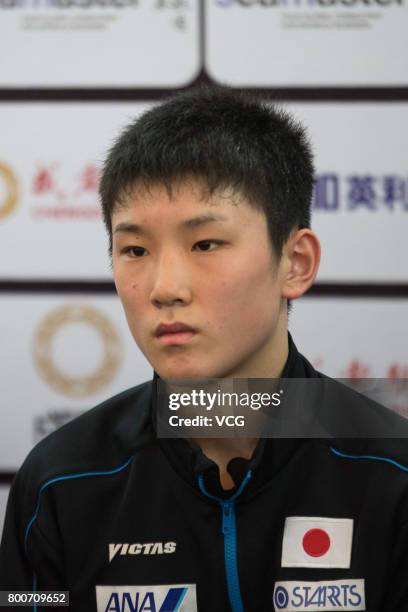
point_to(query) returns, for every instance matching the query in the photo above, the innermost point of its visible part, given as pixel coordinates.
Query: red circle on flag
(316, 542)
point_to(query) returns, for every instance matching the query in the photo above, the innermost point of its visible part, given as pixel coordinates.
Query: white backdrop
(353, 338)
(313, 43)
(115, 43)
(53, 152)
(62, 355)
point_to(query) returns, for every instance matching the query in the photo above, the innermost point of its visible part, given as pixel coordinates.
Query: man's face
(205, 262)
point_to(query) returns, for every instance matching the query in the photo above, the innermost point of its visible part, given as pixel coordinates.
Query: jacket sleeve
(15, 569)
(396, 598)
(28, 560)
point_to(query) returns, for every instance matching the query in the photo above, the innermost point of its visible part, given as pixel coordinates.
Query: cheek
(129, 293)
(126, 285)
(248, 298)
(131, 296)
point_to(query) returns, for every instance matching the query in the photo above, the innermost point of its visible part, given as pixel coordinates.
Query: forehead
(183, 201)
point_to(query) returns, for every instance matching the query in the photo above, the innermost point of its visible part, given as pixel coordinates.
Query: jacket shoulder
(99, 439)
(362, 425)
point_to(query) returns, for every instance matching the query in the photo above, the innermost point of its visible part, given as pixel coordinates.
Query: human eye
(206, 245)
(134, 252)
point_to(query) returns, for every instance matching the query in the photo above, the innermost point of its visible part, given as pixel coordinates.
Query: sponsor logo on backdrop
(58, 196)
(67, 4)
(67, 15)
(8, 190)
(53, 198)
(150, 548)
(362, 376)
(62, 319)
(51, 421)
(305, 3)
(321, 14)
(91, 15)
(398, 376)
(394, 394)
(368, 193)
(158, 598)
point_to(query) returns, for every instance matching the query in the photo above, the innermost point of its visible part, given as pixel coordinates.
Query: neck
(222, 450)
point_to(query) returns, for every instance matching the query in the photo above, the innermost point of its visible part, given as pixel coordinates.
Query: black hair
(226, 138)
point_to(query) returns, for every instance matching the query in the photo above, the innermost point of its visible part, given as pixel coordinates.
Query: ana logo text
(158, 598)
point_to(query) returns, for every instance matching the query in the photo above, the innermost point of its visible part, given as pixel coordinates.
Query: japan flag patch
(310, 541)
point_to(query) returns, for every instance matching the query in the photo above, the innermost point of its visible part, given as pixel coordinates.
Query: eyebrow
(134, 228)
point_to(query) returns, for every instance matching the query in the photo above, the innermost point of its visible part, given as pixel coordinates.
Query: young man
(206, 199)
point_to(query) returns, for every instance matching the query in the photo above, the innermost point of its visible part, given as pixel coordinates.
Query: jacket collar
(270, 454)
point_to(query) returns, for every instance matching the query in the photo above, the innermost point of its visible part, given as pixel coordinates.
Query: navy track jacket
(127, 522)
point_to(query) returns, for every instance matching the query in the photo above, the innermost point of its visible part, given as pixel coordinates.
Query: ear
(301, 256)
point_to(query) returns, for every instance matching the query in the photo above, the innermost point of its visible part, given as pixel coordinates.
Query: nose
(171, 282)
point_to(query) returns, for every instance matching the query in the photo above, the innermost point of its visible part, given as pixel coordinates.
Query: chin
(183, 371)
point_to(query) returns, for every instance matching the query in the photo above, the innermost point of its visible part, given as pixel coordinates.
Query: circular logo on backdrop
(8, 190)
(56, 323)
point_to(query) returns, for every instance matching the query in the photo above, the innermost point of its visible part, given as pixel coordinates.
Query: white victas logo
(151, 548)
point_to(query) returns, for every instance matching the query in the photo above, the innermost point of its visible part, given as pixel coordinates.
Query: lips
(173, 328)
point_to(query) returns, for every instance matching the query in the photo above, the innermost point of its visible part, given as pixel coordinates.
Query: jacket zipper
(229, 531)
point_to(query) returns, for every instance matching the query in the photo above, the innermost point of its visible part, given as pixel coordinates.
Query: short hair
(226, 138)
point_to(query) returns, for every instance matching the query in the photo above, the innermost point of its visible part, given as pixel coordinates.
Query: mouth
(174, 334)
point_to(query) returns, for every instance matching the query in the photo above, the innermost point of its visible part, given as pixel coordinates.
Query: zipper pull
(226, 517)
